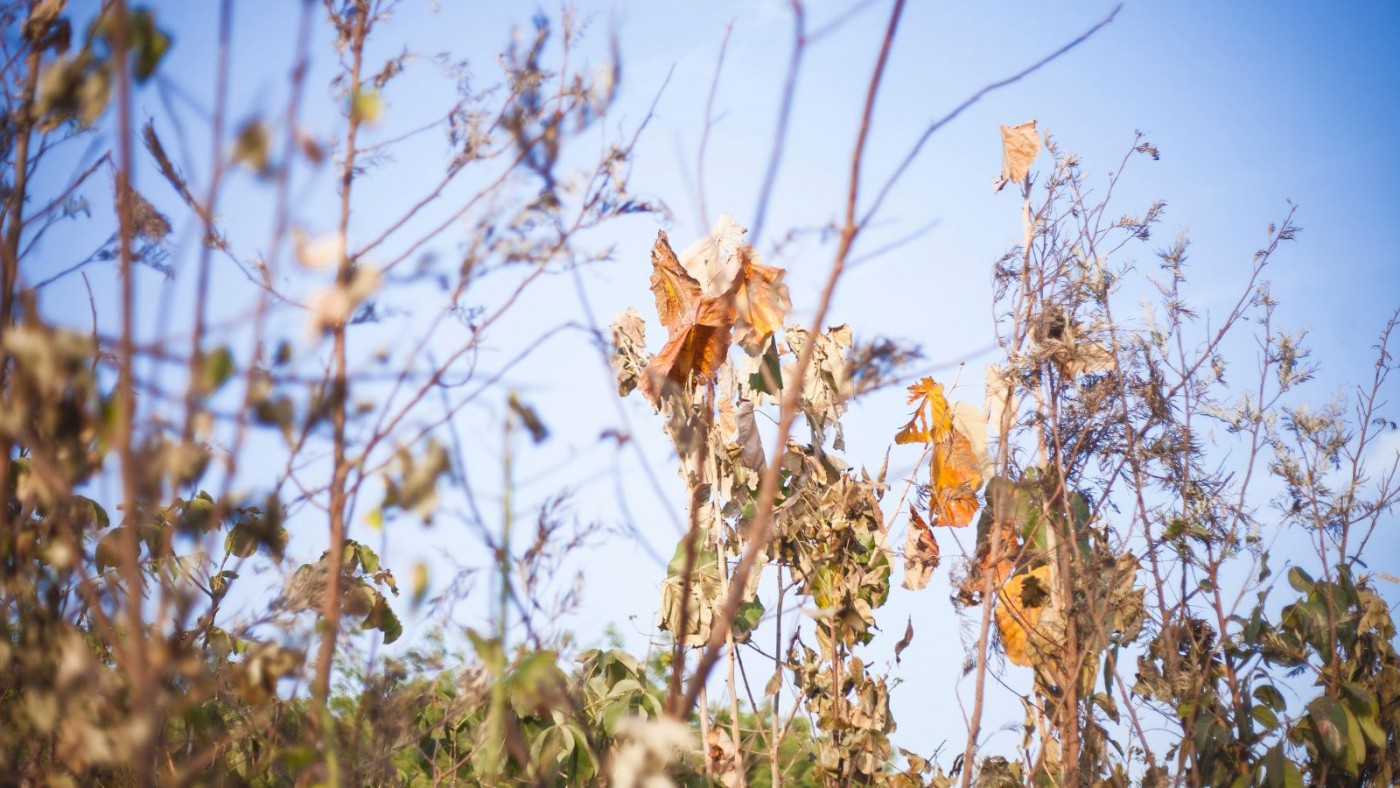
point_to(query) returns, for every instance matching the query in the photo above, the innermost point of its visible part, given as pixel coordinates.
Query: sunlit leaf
(1023, 600)
(762, 302)
(700, 327)
(1019, 147)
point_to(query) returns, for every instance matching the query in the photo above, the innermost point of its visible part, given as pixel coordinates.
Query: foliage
(157, 490)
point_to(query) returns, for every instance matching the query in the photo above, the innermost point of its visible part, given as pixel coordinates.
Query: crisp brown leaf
(700, 327)
(1019, 147)
(675, 290)
(920, 552)
(762, 302)
(904, 641)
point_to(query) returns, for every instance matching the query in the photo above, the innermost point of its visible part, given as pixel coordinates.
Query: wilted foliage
(1110, 513)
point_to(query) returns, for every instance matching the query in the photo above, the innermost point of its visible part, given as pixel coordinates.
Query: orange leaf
(955, 470)
(955, 474)
(675, 290)
(762, 301)
(1018, 615)
(932, 419)
(699, 328)
(695, 351)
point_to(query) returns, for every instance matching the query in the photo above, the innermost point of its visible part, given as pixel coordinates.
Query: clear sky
(1251, 104)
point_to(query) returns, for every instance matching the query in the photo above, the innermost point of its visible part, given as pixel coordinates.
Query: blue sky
(1251, 104)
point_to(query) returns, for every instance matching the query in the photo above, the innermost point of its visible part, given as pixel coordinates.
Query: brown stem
(768, 488)
(330, 608)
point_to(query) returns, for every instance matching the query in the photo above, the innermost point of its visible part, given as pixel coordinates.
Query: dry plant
(156, 631)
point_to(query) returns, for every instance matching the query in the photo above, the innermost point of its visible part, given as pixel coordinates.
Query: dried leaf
(714, 260)
(999, 393)
(762, 301)
(700, 327)
(956, 473)
(629, 359)
(920, 552)
(1019, 147)
(931, 419)
(675, 290)
(904, 641)
(1023, 599)
(957, 466)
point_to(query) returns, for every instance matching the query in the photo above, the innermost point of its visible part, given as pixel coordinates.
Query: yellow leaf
(955, 468)
(1018, 614)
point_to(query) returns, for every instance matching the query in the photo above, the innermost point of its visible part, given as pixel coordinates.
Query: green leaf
(1356, 744)
(217, 367)
(149, 43)
(99, 515)
(770, 370)
(1300, 580)
(251, 147)
(368, 559)
(746, 618)
(1269, 695)
(1329, 721)
(1265, 717)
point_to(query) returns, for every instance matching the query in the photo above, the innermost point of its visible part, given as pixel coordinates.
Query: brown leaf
(920, 552)
(694, 352)
(674, 289)
(762, 301)
(700, 328)
(629, 357)
(1019, 147)
(904, 641)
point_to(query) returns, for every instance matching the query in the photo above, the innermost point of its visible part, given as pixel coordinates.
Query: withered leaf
(1018, 612)
(700, 327)
(932, 419)
(956, 465)
(629, 358)
(956, 473)
(674, 289)
(904, 641)
(920, 552)
(714, 261)
(762, 301)
(1019, 147)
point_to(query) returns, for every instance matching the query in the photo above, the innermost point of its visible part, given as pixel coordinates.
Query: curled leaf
(762, 302)
(714, 261)
(1023, 599)
(920, 552)
(700, 327)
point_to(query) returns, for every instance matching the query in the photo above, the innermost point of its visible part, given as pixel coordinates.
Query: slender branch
(768, 488)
